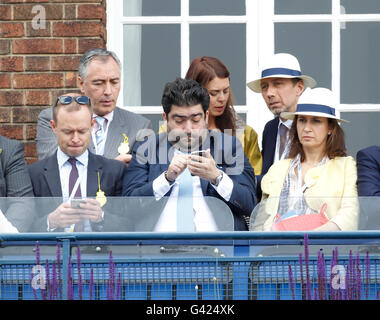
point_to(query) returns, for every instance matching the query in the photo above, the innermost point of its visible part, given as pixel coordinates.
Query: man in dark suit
(368, 163)
(222, 172)
(15, 186)
(281, 84)
(72, 171)
(99, 78)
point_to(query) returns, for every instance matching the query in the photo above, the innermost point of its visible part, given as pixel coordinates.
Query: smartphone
(201, 153)
(75, 203)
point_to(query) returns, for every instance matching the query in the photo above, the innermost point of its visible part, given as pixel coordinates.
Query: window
(334, 40)
(157, 41)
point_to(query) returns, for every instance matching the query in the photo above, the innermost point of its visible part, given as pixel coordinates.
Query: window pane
(356, 138)
(302, 7)
(156, 120)
(217, 7)
(151, 8)
(360, 69)
(362, 6)
(205, 40)
(149, 64)
(311, 44)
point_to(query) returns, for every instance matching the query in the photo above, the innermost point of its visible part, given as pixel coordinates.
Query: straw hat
(318, 102)
(281, 65)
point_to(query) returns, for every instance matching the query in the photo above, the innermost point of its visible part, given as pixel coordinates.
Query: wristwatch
(166, 177)
(218, 179)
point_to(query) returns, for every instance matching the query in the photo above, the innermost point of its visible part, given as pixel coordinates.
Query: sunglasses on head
(78, 99)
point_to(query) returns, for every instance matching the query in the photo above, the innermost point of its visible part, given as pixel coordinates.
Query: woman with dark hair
(214, 76)
(315, 187)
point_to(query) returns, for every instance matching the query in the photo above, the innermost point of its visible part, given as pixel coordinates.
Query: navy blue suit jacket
(368, 163)
(269, 144)
(47, 183)
(268, 147)
(138, 180)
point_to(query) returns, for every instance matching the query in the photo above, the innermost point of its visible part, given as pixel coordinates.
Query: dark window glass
(311, 44)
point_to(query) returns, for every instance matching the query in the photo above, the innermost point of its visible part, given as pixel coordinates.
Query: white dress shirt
(203, 218)
(64, 168)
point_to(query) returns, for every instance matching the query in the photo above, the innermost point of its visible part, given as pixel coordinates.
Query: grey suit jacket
(15, 185)
(123, 122)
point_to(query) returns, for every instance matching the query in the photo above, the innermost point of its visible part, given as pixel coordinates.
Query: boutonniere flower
(124, 146)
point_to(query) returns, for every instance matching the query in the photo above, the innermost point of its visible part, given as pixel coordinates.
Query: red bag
(304, 222)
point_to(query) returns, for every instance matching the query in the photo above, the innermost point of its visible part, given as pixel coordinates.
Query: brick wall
(37, 62)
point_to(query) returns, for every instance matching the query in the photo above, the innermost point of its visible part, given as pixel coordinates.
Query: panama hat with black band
(281, 65)
(317, 102)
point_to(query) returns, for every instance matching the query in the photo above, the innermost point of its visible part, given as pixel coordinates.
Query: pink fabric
(305, 222)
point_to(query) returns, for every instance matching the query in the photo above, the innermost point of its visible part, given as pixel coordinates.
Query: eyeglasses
(78, 99)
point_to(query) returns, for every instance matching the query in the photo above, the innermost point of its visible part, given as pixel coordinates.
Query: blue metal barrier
(174, 266)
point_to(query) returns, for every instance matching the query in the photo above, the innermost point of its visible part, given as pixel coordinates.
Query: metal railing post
(66, 246)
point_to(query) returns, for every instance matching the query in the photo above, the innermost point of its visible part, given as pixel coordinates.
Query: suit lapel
(92, 174)
(270, 145)
(273, 138)
(51, 173)
(114, 135)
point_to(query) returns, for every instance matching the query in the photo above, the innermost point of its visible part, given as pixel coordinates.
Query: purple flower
(38, 254)
(308, 285)
(111, 278)
(58, 255)
(334, 262)
(70, 289)
(367, 271)
(80, 289)
(358, 278)
(46, 294)
(321, 273)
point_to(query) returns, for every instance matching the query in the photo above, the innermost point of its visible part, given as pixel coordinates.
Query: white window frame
(115, 22)
(337, 18)
(260, 19)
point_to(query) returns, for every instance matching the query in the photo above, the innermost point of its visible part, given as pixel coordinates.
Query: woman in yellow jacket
(214, 76)
(315, 187)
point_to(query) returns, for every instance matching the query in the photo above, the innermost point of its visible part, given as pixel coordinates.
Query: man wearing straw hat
(281, 84)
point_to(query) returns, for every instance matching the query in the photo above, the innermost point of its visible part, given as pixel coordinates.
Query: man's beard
(187, 142)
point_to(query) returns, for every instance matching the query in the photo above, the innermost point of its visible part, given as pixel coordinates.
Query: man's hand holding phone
(72, 212)
(202, 164)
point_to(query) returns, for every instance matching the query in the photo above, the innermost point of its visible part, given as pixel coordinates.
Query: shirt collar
(63, 157)
(108, 116)
(287, 123)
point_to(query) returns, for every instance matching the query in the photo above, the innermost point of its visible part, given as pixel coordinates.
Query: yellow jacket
(335, 185)
(249, 141)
